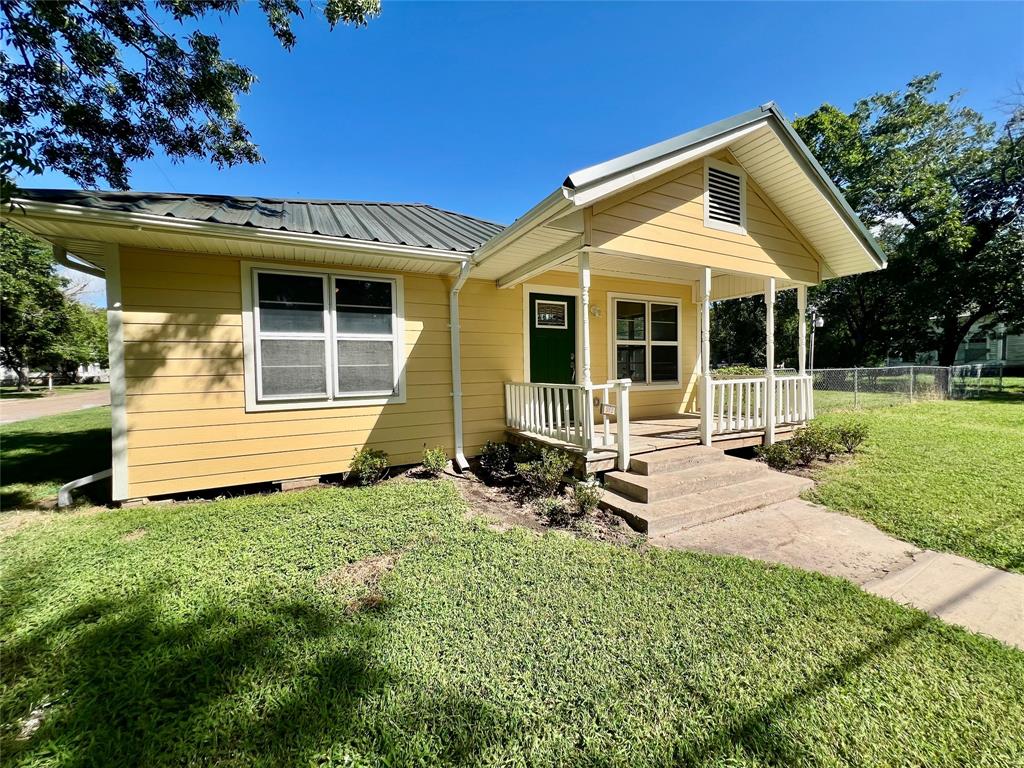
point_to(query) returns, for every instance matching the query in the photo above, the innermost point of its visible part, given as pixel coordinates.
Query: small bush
(852, 435)
(434, 460)
(585, 496)
(369, 466)
(815, 441)
(736, 372)
(777, 456)
(543, 475)
(552, 509)
(496, 460)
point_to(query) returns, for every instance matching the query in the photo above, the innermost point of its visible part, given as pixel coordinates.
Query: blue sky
(485, 107)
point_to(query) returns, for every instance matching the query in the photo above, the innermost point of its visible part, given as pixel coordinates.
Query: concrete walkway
(13, 409)
(805, 535)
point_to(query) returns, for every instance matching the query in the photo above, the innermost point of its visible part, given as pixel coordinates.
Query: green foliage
(851, 434)
(542, 475)
(496, 460)
(585, 495)
(553, 509)
(434, 460)
(946, 194)
(85, 341)
(91, 86)
(815, 441)
(224, 633)
(369, 466)
(777, 456)
(738, 333)
(736, 372)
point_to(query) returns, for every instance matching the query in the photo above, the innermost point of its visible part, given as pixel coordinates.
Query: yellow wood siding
(664, 218)
(187, 425)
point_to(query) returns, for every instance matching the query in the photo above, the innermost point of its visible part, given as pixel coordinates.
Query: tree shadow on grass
(52, 457)
(128, 682)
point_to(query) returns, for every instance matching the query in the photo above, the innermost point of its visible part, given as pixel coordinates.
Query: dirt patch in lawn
(135, 535)
(362, 577)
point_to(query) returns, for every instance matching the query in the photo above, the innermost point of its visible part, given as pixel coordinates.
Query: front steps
(667, 491)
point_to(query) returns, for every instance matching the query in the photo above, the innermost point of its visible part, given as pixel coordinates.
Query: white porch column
(583, 265)
(705, 388)
(801, 311)
(769, 360)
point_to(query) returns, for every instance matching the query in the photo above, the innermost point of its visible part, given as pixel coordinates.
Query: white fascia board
(588, 195)
(73, 213)
(551, 207)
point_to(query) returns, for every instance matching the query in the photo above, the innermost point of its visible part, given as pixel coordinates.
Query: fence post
(855, 388)
(911, 383)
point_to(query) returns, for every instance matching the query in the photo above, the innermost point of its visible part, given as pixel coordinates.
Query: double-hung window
(324, 339)
(646, 340)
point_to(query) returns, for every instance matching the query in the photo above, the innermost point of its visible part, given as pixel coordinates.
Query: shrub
(737, 372)
(543, 475)
(852, 435)
(496, 460)
(434, 460)
(585, 495)
(369, 466)
(776, 456)
(552, 509)
(814, 441)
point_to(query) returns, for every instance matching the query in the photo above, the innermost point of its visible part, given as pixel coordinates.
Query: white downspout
(453, 325)
(60, 255)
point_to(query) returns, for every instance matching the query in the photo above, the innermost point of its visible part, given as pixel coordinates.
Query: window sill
(254, 406)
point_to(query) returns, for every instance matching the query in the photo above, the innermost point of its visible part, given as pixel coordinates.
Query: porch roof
(765, 145)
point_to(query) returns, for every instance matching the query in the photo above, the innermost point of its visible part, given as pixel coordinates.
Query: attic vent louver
(725, 200)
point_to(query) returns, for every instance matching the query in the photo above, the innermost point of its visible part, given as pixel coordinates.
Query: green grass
(12, 393)
(40, 455)
(208, 634)
(944, 475)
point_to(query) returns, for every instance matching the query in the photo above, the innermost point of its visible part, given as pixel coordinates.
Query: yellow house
(266, 340)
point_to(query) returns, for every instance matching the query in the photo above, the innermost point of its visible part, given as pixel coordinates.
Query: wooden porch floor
(655, 434)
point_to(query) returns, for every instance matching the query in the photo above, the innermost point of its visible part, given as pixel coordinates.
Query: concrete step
(725, 470)
(661, 517)
(674, 459)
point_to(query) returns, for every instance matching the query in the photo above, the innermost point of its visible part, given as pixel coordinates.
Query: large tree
(89, 86)
(34, 312)
(945, 190)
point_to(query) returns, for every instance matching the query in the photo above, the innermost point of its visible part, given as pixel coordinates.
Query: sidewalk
(804, 535)
(13, 409)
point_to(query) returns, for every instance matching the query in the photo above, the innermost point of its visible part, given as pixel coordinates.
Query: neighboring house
(258, 340)
(994, 346)
(90, 373)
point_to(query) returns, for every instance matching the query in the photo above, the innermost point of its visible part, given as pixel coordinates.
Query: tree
(945, 194)
(89, 86)
(738, 331)
(84, 342)
(34, 313)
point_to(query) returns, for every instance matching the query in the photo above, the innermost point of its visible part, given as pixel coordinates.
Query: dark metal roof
(412, 224)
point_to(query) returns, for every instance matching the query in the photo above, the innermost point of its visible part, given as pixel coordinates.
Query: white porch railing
(566, 412)
(740, 405)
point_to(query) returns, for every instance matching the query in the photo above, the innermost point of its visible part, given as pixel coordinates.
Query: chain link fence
(846, 388)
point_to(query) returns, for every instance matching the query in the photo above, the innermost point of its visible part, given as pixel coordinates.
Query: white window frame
(256, 401)
(565, 314)
(648, 342)
(735, 170)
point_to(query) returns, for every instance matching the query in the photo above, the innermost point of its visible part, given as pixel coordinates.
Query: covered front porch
(593, 419)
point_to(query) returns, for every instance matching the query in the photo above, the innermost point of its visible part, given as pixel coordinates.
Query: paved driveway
(12, 410)
(805, 535)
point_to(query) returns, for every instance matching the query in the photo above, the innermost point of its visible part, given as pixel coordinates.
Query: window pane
(631, 363)
(664, 322)
(293, 367)
(365, 366)
(629, 321)
(291, 303)
(364, 306)
(665, 363)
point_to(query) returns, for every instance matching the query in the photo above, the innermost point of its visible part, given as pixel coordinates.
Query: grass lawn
(40, 455)
(232, 633)
(12, 393)
(944, 475)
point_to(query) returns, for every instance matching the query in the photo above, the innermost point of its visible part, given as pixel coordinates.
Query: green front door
(552, 339)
